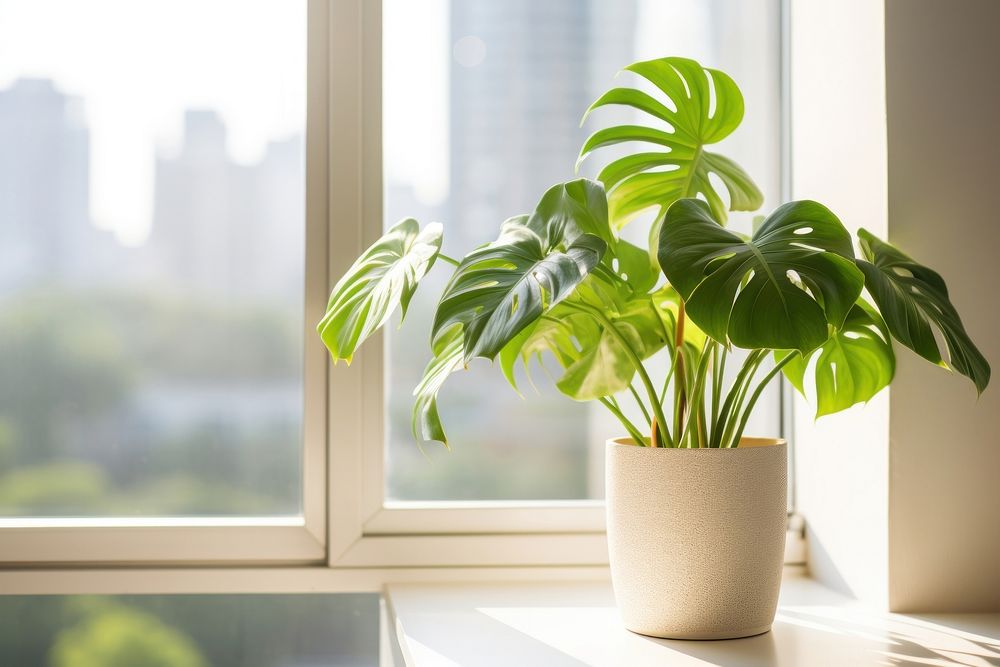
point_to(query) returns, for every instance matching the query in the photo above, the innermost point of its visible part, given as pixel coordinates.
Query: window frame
(147, 541)
(350, 537)
(366, 529)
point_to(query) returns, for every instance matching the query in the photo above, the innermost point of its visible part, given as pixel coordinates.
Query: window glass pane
(190, 630)
(151, 257)
(482, 101)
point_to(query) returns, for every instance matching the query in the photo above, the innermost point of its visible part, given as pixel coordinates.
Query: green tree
(59, 370)
(113, 635)
(53, 488)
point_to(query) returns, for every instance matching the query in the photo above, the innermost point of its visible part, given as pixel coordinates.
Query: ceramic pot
(696, 537)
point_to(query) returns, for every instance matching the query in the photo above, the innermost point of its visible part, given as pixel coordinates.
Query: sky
(139, 64)
(416, 48)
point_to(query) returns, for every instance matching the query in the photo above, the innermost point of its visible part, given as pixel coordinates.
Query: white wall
(839, 158)
(942, 64)
(896, 126)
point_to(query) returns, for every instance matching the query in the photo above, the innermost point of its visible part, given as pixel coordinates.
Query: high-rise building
(279, 219)
(44, 184)
(522, 74)
(192, 217)
(226, 229)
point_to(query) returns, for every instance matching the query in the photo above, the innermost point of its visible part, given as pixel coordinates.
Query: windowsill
(575, 623)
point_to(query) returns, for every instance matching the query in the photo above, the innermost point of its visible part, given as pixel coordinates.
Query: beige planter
(696, 537)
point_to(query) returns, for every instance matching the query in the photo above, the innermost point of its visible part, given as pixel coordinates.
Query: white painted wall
(839, 158)
(943, 94)
(896, 126)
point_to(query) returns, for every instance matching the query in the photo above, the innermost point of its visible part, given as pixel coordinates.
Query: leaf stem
(740, 390)
(680, 379)
(638, 400)
(757, 392)
(670, 374)
(599, 315)
(697, 392)
(718, 377)
(721, 425)
(449, 260)
(629, 426)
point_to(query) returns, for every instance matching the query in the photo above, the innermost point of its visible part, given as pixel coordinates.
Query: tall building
(279, 218)
(522, 75)
(192, 221)
(225, 229)
(44, 184)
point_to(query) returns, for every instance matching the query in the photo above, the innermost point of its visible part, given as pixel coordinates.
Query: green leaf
(592, 358)
(667, 302)
(426, 422)
(502, 287)
(856, 362)
(556, 332)
(385, 276)
(603, 367)
(914, 301)
(550, 333)
(779, 290)
(568, 210)
(642, 180)
(636, 266)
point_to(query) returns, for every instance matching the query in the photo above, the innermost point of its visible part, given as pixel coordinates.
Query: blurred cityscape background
(151, 258)
(155, 368)
(494, 93)
(157, 379)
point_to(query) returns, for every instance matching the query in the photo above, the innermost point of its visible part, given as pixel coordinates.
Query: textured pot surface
(696, 537)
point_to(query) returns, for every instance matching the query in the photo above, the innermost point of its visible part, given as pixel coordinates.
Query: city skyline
(139, 82)
(209, 309)
(212, 216)
(135, 375)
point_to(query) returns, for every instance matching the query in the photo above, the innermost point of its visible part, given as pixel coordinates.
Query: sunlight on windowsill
(576, 623)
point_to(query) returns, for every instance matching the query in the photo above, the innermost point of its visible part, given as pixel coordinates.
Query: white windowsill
(575, 623)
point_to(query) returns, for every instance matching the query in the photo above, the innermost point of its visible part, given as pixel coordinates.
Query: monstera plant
(727, 311)
(561, 282)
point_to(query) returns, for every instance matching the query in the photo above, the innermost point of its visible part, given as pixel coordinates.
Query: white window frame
(365, 529)
(41, 542)
(350, 537)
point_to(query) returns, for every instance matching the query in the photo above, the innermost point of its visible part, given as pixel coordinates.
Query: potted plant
(696, 510)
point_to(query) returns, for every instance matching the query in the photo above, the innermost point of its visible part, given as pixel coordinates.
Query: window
(177, 219)
(152, 263)
(482, 102)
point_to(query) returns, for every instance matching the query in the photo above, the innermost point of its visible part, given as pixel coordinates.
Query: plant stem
(697, 392)
(732, 418)
(598, 314)
(670, 374)
(701, 425)
(680, 378)
(722, 423)
(718, 376)
(642, 406)
(449, 260)
(689, 366)
(756, 395)
(629, 426)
